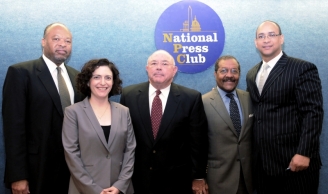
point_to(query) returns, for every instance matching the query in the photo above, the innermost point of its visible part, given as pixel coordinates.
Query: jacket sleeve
(124, 179)
(14, 125)
(199, 141)
(309, 99)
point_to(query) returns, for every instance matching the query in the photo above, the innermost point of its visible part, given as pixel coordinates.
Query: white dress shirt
(271, 64)
(163, 96)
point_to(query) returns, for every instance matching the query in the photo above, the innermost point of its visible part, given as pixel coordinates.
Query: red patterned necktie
(156, 113)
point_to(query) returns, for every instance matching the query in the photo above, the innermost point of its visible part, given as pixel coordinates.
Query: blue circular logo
(192, 33)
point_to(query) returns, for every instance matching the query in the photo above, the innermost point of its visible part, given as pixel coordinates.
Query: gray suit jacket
(95, 164)
(226, 151)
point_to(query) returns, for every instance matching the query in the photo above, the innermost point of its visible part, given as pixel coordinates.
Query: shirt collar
(274, 61)
(224, 93)
(52, 66)
(164, 91)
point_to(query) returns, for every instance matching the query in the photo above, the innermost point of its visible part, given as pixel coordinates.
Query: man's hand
(20, 187)
(199, 187)
(110, 190)
(299, 163)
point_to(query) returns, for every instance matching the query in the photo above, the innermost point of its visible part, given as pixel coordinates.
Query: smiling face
(269, 47)
(161, 69)
(227, 75)
(101, 82)
(57, 43)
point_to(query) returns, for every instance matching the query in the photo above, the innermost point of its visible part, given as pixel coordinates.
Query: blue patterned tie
(234, 113)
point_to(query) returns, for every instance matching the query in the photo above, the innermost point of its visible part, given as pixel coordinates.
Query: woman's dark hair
(89, 67)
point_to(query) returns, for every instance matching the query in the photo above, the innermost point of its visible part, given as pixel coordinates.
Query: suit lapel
(172, 103)
(275, 72)
(116, 116)
(143, 107)
(253, 73)
(220, 108)
(48, 82)
(94, 122)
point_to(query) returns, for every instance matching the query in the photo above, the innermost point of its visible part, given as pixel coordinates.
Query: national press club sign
(192, 33)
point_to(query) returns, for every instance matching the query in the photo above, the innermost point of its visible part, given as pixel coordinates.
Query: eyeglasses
(269, 36)
(224, 71)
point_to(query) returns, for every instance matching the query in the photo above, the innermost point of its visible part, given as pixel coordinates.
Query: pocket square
(250, 115)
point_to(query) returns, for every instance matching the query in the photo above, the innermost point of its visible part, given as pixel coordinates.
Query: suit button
(259, 121)
(151, 168)
(107, 156)
(154, 151)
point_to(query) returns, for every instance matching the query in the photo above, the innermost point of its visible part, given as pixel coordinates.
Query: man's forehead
(267, 26)
(159, 60)
(53, 29)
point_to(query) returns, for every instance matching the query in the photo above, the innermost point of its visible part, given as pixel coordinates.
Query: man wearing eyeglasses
(230, 119)
(288, 114)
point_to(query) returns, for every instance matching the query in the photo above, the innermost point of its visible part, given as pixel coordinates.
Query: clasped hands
(199, 187)
(110, 190)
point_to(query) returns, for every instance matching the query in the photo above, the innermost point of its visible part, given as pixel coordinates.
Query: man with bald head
(32, 110)
(171, 131)
(287, 100)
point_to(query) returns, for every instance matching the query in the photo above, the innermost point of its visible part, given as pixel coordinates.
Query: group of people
(63, 135)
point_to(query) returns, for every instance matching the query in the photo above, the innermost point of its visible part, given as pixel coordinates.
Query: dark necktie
(63, 91)
(234, 113)
(156, 113)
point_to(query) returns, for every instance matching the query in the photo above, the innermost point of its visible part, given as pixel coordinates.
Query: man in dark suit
(288, 114)
(230, 139)
(33, 115)
(170, 156)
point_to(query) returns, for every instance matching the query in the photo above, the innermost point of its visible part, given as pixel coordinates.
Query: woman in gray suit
(97, 135)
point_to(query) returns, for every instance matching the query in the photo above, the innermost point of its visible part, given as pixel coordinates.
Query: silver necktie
(263, 77)
(63, 91)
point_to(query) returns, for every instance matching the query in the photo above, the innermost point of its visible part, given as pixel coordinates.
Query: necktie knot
(229, 95)
(158, 92)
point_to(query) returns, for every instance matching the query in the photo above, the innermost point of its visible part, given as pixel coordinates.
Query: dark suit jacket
(288, 114)
(179, 153)
(228, 151)
(32, 124)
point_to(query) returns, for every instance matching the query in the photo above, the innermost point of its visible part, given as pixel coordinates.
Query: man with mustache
(32, 109)
(172, 158)
(230, 119)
